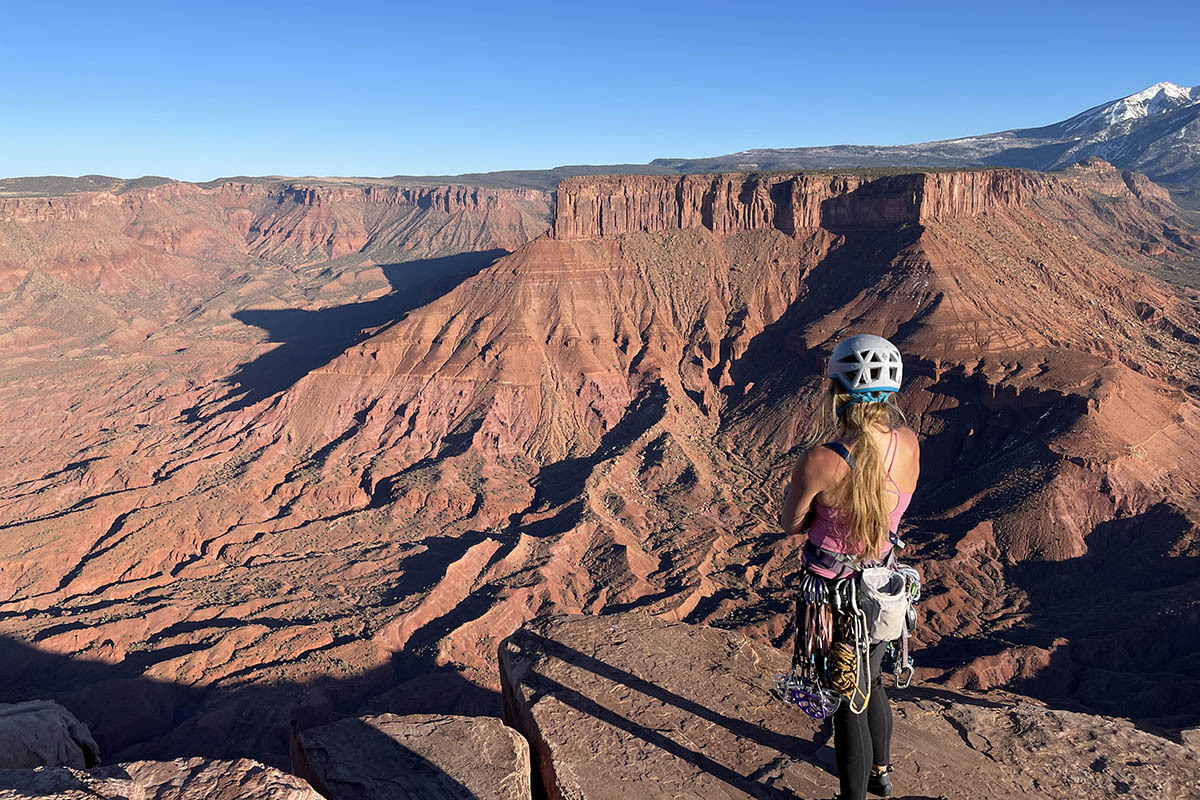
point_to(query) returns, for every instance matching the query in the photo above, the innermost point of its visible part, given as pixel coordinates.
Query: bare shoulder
(908, 436)
(821, 463)
(912, 444)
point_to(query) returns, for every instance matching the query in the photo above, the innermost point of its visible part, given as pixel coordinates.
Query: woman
(857, 487)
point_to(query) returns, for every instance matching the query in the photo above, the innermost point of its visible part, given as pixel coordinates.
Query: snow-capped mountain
(1160, 98)
(1155, 131)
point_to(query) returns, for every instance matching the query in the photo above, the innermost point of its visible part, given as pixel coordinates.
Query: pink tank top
(830, 527)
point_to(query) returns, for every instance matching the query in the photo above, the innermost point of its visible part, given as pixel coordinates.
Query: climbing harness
(831, 653)
(831, 649)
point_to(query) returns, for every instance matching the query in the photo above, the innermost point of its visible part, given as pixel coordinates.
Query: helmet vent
(866, 363)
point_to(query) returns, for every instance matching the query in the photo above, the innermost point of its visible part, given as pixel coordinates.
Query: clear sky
(196, 90)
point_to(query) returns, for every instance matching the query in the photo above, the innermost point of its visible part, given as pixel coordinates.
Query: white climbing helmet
(866, 364)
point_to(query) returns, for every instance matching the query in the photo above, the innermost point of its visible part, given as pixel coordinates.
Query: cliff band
(590, 207)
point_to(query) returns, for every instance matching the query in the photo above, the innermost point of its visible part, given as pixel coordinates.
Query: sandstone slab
(181, 779)
(41, 733)
(630, 705)
(425, 756)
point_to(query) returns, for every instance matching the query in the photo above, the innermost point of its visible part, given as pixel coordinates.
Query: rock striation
(141, 240)
(592, 207)
(430, 756)
(628, 705)
(40, 733)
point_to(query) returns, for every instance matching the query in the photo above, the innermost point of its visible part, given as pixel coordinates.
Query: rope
(862, 649)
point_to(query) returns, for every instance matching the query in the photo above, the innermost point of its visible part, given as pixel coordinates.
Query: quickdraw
(831, 652)
(824, 670)
(817, 616)
(902, 663)
(897, 661)
(810, 698)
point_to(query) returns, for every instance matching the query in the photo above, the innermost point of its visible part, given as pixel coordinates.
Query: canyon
(299, 450)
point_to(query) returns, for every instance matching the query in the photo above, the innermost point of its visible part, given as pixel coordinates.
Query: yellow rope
(847, 662)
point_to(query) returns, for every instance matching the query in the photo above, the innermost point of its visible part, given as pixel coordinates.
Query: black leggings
(861, 740)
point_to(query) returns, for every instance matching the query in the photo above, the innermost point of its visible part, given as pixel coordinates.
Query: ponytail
(861, 494)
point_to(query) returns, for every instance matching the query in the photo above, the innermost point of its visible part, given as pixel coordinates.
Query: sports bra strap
(842, 451)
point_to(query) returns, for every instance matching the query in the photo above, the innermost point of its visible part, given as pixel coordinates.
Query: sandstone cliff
(589, 207)
(143, 239)
(431, 756)
(179, 779)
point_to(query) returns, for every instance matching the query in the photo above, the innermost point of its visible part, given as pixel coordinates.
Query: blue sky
(200, 89)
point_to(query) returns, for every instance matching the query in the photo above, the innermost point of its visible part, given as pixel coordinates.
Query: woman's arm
(809, 478)
(917, 455)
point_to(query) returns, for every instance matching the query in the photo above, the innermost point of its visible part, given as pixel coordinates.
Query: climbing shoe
(878, 783)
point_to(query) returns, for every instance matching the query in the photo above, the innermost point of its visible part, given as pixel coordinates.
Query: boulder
(41, 733)
(630, 705)
(181, 779)
(419, 756)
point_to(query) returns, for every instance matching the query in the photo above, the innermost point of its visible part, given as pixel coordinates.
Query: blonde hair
(861, 495)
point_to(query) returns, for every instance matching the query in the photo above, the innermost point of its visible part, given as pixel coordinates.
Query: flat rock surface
(41, 733)
(631, 705)
(426, 756)
(181, 779)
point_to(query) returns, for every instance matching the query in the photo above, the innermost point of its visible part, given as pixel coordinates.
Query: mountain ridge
(1154, 131)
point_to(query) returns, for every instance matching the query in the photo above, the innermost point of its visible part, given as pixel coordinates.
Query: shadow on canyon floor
(1128, 611)
(788, 745)
(561, 483)
(311, 339)
(861, 260)
(133, 716)
(1118, 626)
